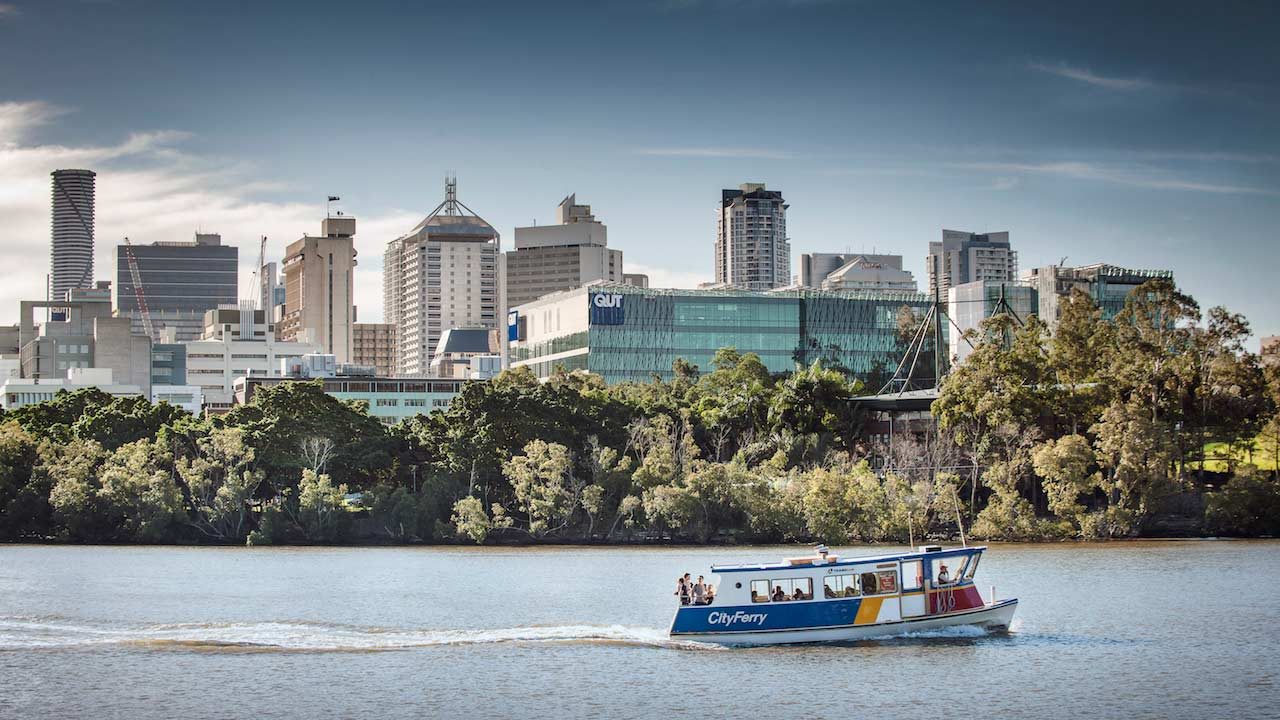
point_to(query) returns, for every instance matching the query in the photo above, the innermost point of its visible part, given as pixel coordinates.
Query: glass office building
(627, 333)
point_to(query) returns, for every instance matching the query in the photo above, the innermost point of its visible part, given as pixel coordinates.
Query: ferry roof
(785, 565)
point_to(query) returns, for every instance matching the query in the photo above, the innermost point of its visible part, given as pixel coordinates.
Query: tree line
(1099, 430)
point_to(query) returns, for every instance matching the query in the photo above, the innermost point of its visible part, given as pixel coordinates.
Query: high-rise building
(964, 257)
(319, 288)
(181, 281)
(441, 274)
(569, 254)
(271, 292)
(71, 256)
(374, 345)
(854, 271)
(1271, 350)
(752, 250)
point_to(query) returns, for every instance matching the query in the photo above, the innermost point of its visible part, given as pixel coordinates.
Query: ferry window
(973, 566)
(792, 589)
(759, 591)
(912, 577)
(838, 586)
(961, 565)
(869, 586)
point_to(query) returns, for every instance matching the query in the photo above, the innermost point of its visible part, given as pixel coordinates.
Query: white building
(964, 257)
(187, 397)
(441, 274)
(567, 255)
(17, 392)
(752, 249)
(236, 343)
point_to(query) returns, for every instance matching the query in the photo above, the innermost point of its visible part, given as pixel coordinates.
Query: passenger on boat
(778, 594)
(798, 594)
(711, 593)
(683, 589)
(944, 577)
(827, 592)
(700, 592)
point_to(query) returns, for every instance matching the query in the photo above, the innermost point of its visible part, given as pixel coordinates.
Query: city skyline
(1099, 149)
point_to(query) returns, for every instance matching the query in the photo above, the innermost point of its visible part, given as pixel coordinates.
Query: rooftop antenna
(451, 195)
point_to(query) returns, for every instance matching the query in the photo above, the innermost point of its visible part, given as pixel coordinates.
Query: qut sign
(607, 308)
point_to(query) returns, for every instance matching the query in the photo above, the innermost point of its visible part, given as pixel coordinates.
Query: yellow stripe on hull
(868, 610)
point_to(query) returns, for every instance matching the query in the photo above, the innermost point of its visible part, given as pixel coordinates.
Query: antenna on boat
(955, 502)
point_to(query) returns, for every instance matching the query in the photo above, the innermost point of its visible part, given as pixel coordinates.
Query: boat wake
(33, 633)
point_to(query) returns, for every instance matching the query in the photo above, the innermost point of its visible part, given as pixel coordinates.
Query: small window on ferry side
(759, 591)
(869, 586)
(973, 566)
(840, 586)
(912, 579)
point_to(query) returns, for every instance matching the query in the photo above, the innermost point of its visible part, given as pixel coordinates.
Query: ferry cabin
(821, 591)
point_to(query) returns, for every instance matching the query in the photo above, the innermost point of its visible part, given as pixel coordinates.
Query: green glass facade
(855, 331)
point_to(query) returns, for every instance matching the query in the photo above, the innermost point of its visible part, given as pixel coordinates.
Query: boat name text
(724, 618)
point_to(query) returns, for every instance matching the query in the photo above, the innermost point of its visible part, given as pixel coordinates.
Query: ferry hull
(994, 616)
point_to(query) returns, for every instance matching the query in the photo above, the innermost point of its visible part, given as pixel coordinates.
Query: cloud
(718, 152)
(8, 10)
(1005, 183)
(1086, 76)
(1120, 175)
(150, 189)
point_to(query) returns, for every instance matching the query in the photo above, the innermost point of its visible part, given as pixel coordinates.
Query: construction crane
(138, 293)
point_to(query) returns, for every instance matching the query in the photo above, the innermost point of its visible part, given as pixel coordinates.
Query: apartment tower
(442, 274)
(752, 250)
(964, 257)
(71, 255)
(319, 288)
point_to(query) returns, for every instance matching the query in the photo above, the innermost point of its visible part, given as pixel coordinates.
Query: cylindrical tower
(71, 256)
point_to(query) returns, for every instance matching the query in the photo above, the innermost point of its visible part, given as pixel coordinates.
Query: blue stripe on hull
(796, 615)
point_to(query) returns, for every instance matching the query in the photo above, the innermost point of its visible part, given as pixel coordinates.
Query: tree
(24, 505)
(1077, 355)
(1136, 453)
(138, 486)
(221, 482)
(544, 488)
(470, 519)
(322, 511)
(71, 469)
(1065, 467)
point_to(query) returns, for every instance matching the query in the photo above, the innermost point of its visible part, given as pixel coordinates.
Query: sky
(1140, 135)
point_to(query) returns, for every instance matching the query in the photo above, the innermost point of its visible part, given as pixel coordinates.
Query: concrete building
(1108, 285)
(625, 333)
(964, 257)
(971, 303)
(17, 392)
(639, 280)
(1271, 350)
(752, 249)
(181, 281)
(390, 399)
(236, 342)
(374, 345)
(83, 334)
(855, 271)
(444, 273)
(467, 353)
(569, 254)
(319, 288)
(271, 295)
(71, 253)
(187, 397)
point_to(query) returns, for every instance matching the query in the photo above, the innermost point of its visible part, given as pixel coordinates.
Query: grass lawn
(1263, 456)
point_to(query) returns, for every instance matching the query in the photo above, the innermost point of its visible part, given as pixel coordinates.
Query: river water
(1185, 629)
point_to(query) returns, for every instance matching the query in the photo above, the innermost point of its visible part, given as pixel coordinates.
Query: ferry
(823, 598)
